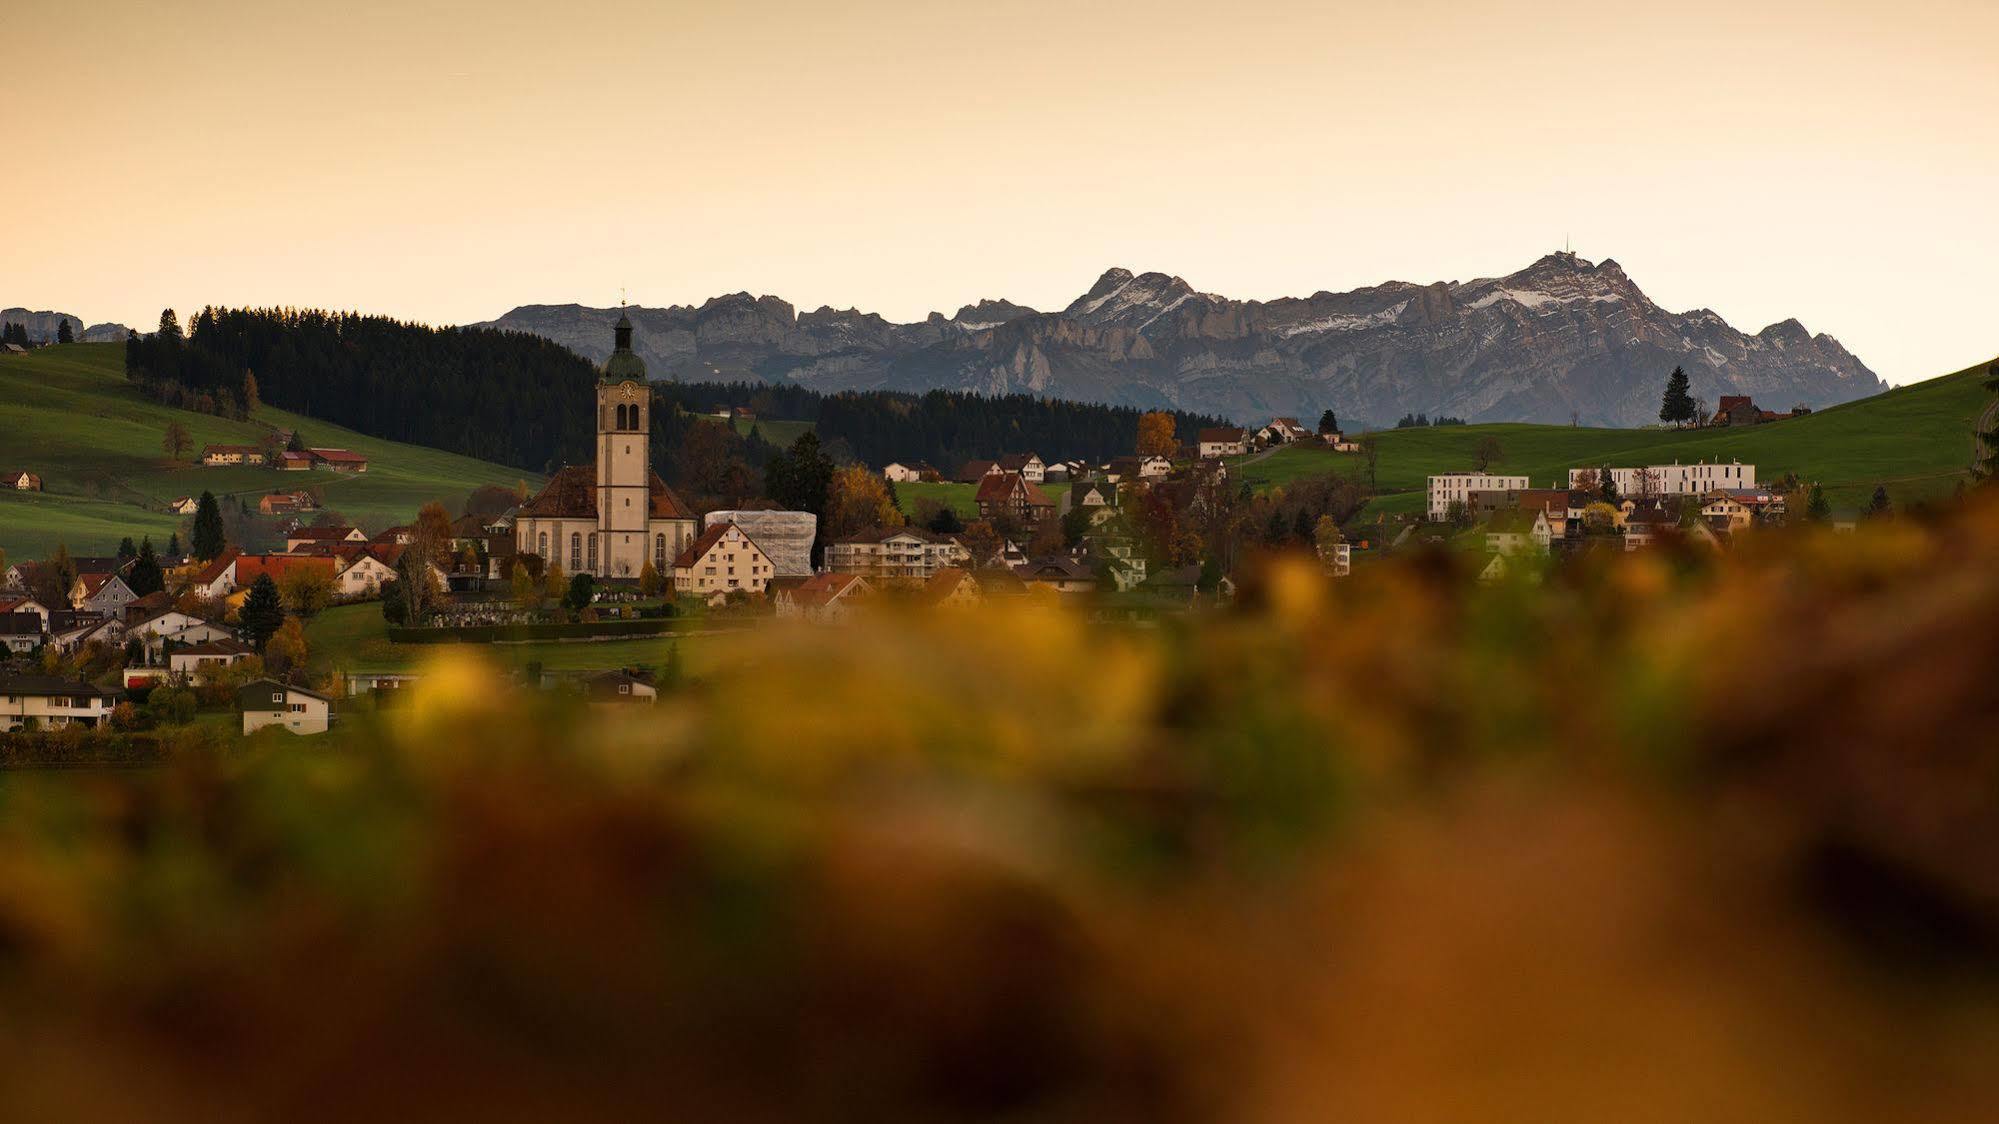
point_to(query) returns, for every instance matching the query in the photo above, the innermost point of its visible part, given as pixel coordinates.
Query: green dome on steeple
(624, 365)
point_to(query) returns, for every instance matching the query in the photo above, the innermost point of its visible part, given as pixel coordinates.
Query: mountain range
(1563, 339)
(43, 327)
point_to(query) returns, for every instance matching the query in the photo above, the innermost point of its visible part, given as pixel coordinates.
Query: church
(609, 519)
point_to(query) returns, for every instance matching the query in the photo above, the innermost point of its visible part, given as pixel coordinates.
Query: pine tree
(145, 576)
(1879, 505)
(1817, 509)
(209, 538)
(1329, 422)
(127, 550)
(1607, 484)
(262, 613)
(169, 326)
(63, 332)
(1677, 406)
(173, 545)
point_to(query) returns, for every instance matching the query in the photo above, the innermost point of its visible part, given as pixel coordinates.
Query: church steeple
(624, 365)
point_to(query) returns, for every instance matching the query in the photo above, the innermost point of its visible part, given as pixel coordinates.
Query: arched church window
(659, 553)
(575, 552)
(541, 546)
(593, 551)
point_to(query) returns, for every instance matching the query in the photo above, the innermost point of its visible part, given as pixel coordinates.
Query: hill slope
(68, 415)
(1561, 337)
(1916, 439)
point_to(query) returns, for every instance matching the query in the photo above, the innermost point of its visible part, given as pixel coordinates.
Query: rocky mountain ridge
(1562, 339)
(43, 327)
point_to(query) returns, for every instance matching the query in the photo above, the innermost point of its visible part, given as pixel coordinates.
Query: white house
(101, 593)
(899, 473)
(267, 702)
(1221, 442)
(185, 505)
(1029, 465)
(722, 561)
(1696, 479)
(1456, 487)
(907, 553)
(208, 654)
(48, 701)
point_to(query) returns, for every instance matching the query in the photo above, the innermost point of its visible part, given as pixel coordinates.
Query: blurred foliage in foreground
(1677, 838)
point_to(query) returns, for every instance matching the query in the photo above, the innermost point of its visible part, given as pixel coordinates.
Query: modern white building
(1696, 479)
(1457, 487)
(267, 702)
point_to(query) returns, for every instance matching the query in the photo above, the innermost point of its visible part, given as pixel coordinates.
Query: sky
(1836, 161)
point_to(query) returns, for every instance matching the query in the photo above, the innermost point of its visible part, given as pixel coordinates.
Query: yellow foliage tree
(650, 583)
(285, 652)
(305, 590)
(1155, 434)
(858, 500)
(431, 537)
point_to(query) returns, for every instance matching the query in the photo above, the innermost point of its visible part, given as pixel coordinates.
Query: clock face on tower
(630, 391)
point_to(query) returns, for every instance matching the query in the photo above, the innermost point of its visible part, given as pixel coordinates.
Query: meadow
(1916, 440)
(68, 414)
(348, 638)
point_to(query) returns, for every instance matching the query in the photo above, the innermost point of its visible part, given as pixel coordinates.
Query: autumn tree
(982, 542)
(176, 443)
(251, 399)
(1486, 452)
(1156, 434)
(650, 583)
(1326, 537)
(306, 590)
(858, 501)
(430, 537)
(55, 578)
(554, 583)
(285, 652)
(706, 464)
(525, 588)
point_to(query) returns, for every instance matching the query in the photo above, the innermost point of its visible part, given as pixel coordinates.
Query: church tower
(624, 472)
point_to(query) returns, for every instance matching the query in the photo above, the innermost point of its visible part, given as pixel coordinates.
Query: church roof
(624, 365)
(572, 494)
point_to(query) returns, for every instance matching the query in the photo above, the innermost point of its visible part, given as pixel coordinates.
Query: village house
(1519, 532)
(617, 688)
(1283, 431)
(1028, 465)
(899, 473)
(21, 481)
(975, 471)
(1008, 495)
(320, 536)
(951, 588)
(1227, 441)
(1724, 512)
(71, 631)
(1063, 575)
(1697, 479)
(1098, 496)
(1338, 558)
(285, 503)
(267, 702)
(609, 519)
(217, 577)
(1643, 521)
(102, 593)
(339, 460)
(184, 505)
(1137, 469)
(290, 461)
(1736, 409)
(723, 560)
(49, 702)
(1457, 488)
(207, 655)
(21, 631)
(898, 554)
(22, 603)
(163, 632)
(823, 597)
(218, 455)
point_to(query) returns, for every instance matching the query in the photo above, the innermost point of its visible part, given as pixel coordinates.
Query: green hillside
(1916, 439)
(68, 415)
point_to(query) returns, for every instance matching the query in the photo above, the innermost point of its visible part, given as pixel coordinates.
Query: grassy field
(68, 415)
(959, 496)
(777, 431)
(1916, 440)
(355, 637)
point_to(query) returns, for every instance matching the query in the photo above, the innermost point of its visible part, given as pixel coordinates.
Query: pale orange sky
(1833, 160)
